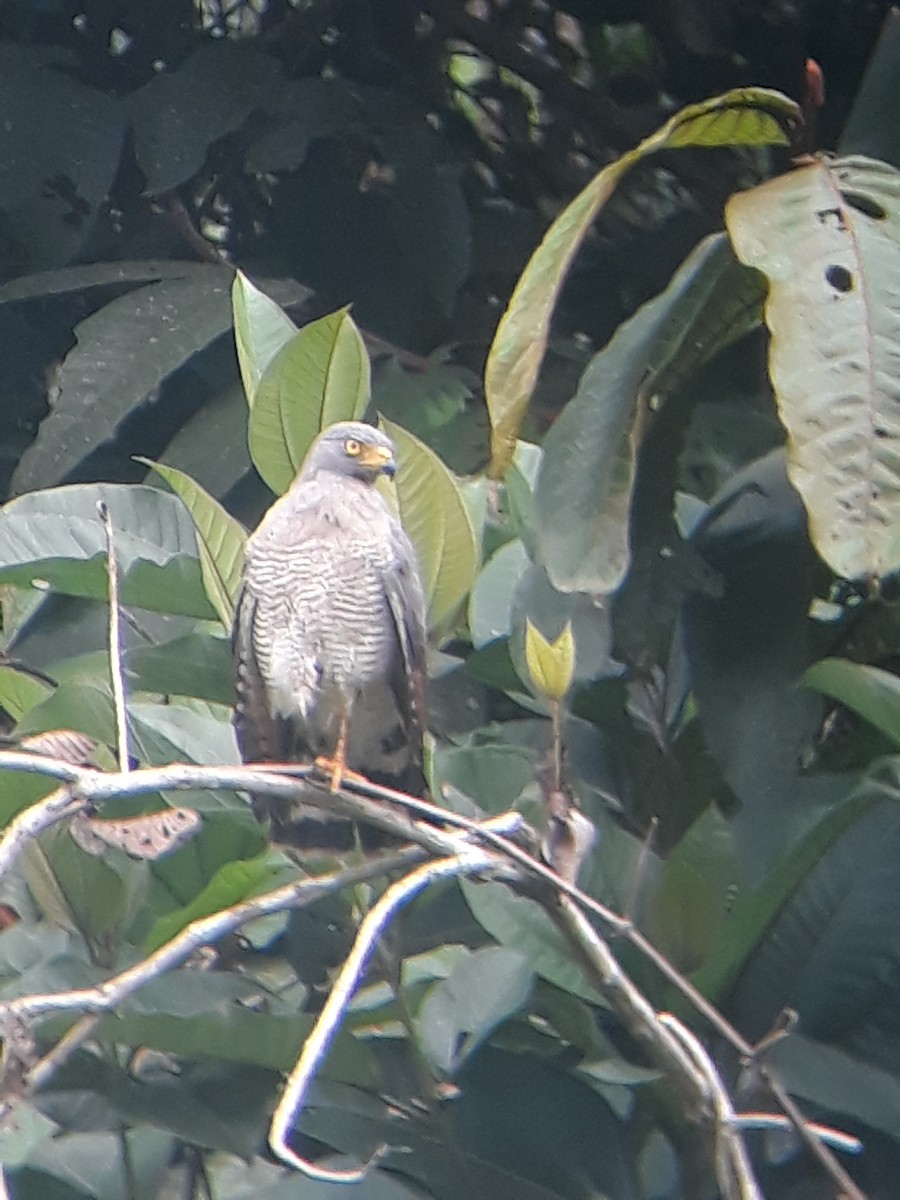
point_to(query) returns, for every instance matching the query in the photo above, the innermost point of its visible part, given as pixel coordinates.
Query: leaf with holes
(827, 238)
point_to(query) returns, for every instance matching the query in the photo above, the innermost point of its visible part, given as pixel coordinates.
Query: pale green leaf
(55, 541)
(20, 692)
(551, 665)
(745, 117)
(261, 329)
(220, 539)
(827, 238)
(320, 376)
(435, 516)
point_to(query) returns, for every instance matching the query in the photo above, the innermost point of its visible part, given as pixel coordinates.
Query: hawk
(329, 632)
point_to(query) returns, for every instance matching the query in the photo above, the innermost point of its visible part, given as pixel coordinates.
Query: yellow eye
(352, 447)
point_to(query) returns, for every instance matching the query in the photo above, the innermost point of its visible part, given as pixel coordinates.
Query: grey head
(351, 448)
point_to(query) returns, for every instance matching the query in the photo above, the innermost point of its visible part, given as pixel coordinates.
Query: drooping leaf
(826, 236)
(220, 539)
(261, 329)
(746, 117)
(584, 485)
(491, 602)
(320, 376)
(869, 691)
(123, 352)
(436, 518)
(56, 536)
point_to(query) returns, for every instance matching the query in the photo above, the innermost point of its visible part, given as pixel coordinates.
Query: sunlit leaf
(261, 329)
(551, 665)
(220, 539)
(745, 117)
(55, 540)
(436, 518)
(20, 691)
(320, 376)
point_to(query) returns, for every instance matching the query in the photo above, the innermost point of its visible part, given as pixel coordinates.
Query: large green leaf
(220, 539)
(745, 117)
(869, 691)
(56, 536)
(198, 664)
(123, 352)
(320, 376)
(827, 238)
(435, 516)
(583, 490)
(261, 329)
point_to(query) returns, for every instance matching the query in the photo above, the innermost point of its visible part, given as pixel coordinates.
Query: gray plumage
(330, 622)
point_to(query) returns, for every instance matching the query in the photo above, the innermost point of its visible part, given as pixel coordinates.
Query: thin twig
(115, 637)
(733, 1170)
(471, 861)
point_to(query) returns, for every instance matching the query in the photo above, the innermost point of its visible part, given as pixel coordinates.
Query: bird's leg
(336, 766)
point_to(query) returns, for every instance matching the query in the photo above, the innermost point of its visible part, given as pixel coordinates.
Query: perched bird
(329, 632)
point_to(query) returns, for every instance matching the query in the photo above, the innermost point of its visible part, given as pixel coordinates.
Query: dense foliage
(655, 508)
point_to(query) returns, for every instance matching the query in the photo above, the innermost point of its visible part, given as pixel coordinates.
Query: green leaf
(197, 664)
(525, 927)
(584, 484)
(869, 691)
(551, 665)
(826, 236)
(745, 117)
(232, 883)
(56, 537)
(261, 329)
(20, 692)
(22, 1129)
(320, 376)
(123, 352)
(461, 1011)
(435, 516)
(220, 538)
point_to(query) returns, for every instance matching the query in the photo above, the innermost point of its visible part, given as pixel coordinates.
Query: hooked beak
(379, 459)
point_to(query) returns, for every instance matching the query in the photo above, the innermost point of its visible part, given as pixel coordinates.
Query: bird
(329, 633)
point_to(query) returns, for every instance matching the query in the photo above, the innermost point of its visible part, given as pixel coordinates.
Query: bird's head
(352, 448)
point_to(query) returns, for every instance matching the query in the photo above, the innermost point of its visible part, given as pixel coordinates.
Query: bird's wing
(407, 607)
(258, 731)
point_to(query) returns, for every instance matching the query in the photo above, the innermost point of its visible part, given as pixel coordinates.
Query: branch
(115, 638)
(733, 1170)
(470, 861)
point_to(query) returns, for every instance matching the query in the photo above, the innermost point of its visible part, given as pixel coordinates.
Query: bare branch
(470, 861)
(733, 1170)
